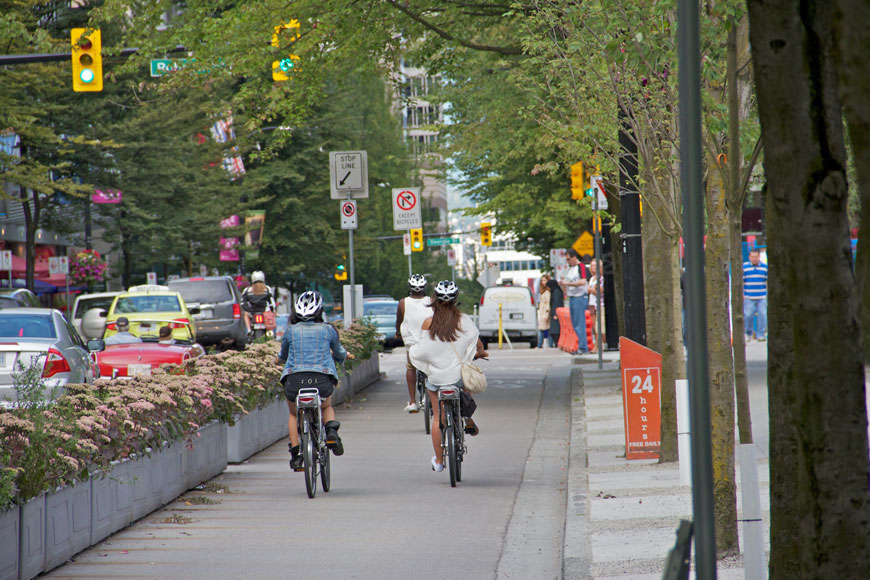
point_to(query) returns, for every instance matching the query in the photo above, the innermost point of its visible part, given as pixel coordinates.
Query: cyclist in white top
(410, 314)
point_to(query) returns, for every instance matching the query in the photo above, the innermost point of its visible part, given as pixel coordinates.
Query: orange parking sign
(641, 397)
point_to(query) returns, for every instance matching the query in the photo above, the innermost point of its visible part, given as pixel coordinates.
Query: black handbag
(467, 405)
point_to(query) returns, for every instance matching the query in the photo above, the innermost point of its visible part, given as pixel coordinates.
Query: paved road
(388, 515)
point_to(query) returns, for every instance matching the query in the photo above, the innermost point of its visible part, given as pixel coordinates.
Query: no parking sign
(348, 215)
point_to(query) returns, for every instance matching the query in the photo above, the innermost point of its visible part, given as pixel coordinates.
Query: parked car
(147, 308)
(382, 314)
(219, 320)
(140, 358)
(41, 338)
(519, 316)
(18, 298)
(91, 326)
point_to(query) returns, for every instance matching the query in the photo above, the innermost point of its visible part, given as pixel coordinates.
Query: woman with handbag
(450, 340)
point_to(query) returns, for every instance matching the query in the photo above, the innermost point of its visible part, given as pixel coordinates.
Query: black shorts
(325, 384)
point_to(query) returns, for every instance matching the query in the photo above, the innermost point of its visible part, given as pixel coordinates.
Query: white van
(93, 327)
(518, 313)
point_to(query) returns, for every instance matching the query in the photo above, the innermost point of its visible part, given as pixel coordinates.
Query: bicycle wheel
(324, 467)
(427, 414)
(448, 431)
(458, 437)
(308, 458)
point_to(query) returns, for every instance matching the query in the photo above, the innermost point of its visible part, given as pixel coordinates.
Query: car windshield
(203, 291)
(26, 326)
(136, 304)
(379, 308)
(85, 304)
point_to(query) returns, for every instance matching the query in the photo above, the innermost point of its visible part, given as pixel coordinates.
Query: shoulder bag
(473, 378)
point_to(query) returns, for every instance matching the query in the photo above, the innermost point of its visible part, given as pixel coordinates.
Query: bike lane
(387, 515)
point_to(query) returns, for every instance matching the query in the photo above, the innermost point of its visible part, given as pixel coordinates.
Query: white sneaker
(412, 408)
(437, 467)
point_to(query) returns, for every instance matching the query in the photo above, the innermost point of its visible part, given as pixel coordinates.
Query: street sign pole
(599, 271)
(352, 284)
(410, 265)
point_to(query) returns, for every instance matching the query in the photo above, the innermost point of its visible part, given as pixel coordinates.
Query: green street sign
(162, 66)
(441, 241)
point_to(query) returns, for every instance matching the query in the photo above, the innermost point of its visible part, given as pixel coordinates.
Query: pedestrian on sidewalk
(556, 301)
(574, 285)
(447, 336)
(544, 311)
(755, 295)
(596, 301)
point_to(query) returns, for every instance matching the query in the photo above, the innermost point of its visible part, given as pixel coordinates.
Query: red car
(140, 358)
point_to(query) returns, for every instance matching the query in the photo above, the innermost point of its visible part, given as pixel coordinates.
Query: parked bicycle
(453, 447)
(315, 454)
(423, 402)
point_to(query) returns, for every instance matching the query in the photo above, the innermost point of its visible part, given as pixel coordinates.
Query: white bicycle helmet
(446, 291)
(417, 283)
(309, 305)
(258, 276)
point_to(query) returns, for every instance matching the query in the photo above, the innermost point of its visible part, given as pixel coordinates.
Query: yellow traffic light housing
(283, 68)
(485, 234)
(340, 272)
(87, 60)
(417, 240)
(577, 185)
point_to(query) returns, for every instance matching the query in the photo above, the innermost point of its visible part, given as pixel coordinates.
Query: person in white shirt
(447, 335)
(123, 336)
(574, 286)
(410, 314)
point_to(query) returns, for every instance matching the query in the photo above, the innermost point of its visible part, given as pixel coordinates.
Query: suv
(219, 320)
(94, 325)
(519, 315)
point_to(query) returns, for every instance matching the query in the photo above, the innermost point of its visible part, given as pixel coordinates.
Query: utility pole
(632, 245)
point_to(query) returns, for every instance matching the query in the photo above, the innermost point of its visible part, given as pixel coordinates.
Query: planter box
(146, 474)
(174, 471)
(111, 500)
(31, 541)
(67, 523)
(9, 531)
(243, 437)
(208, 457)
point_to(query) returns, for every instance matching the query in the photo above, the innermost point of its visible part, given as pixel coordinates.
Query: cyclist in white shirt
(410, 314)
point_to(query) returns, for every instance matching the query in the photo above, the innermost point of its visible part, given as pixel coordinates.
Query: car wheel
(533, 343)
(240, 345)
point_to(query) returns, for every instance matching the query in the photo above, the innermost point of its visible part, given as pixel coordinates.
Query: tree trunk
(716, 261)
(820, 515)
(853, 38)
(663, 323)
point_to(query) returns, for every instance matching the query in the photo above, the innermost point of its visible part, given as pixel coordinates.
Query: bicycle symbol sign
(406, 200)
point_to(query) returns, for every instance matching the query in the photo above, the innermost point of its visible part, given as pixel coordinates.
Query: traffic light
(577, 185)
(417, 240)
(485, 234)
(87, 61)
(340, 272)
(283, 68)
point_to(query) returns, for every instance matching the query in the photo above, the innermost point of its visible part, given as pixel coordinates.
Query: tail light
(197, 279)
(448, 393)
(306, 400)
(111, 326)
(533, 299)
(481, 299)
(179, 323)
(259, 318)
(54, 363)
(237, 312)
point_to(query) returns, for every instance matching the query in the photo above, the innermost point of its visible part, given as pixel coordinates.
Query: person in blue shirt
(755, 295)
(309, 350)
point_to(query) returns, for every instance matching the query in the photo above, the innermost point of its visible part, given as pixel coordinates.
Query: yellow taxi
(149, 307)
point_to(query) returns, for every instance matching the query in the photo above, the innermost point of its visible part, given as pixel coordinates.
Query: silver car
(41, 339)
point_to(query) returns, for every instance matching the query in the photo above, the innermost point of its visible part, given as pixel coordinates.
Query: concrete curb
(576, 556)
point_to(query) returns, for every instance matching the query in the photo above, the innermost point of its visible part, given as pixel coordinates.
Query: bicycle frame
(309, 420)
(452, 432)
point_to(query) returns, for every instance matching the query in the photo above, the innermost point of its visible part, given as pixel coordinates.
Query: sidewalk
(623, 515)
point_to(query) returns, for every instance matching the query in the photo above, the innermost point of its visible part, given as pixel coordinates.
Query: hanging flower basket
(87, 266)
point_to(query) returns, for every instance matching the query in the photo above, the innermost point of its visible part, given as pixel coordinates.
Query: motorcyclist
(257, 298)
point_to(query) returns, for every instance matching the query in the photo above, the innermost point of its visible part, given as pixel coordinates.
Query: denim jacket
(311, 347)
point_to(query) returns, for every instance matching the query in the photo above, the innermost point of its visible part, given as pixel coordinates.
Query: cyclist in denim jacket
(309, 351)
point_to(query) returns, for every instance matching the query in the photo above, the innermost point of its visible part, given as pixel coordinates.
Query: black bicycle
(423, 402)
(452, 432)
(312, 437)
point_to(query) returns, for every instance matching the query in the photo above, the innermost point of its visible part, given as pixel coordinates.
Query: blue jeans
(542, 336)
(577, 307)
(755, 307)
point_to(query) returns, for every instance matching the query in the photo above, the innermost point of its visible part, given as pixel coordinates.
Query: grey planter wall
(208, 457)
(9, 531)
(31, 541)
(67, 523)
